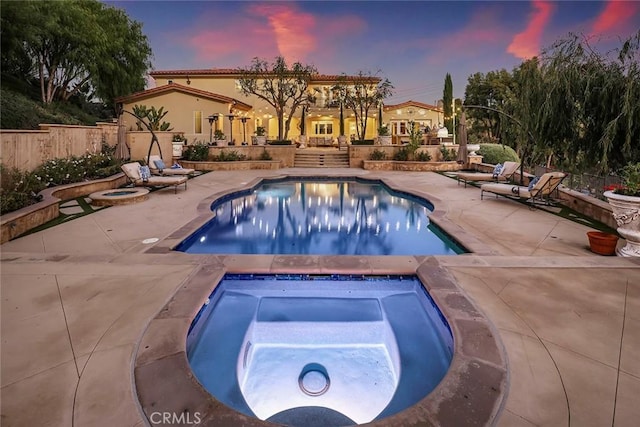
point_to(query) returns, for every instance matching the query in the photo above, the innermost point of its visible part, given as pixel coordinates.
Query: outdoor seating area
(133, 172)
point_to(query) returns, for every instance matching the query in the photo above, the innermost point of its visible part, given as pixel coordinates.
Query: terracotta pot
(602, 243)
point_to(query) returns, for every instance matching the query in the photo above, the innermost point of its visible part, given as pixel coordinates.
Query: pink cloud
(294, 31)
(267, 30)
(483, 29)
(228, 43)
(615, 16)
(526, 44)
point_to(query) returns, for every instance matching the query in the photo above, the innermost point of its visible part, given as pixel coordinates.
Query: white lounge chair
(153, 163)
(508, 169)
(540, 191)
(132, 171)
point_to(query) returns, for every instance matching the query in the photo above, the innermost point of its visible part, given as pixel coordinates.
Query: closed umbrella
(462, 140)
(122, 151)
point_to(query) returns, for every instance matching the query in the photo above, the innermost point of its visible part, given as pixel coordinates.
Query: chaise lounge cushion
(166, 171)
(505, 174)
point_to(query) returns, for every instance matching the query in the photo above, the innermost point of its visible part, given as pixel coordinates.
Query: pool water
(319, 217)
(339, 350)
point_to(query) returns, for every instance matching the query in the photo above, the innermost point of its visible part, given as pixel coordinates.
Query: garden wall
(19, 222)
(28, 149)
(394, 165)
(231, 166)
(285, 154)
(359, 153)
(139, 141)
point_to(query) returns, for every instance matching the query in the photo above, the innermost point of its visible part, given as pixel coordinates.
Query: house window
(323, 128)
(197, 122)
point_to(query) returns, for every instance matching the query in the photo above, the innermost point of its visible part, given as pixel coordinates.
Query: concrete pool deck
(77, 298)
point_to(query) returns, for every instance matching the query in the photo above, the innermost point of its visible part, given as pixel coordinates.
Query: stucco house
(199, 102)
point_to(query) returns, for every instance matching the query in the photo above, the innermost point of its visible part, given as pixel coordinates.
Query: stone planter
(626, 212)
(472, 148)
(384, 139)
(221, 142)
(261, 140)
(177, 148)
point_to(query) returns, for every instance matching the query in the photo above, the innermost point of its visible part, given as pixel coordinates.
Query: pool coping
(472, 392)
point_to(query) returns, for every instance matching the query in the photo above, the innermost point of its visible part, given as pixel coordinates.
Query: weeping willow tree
(589, 115)
(579, 106)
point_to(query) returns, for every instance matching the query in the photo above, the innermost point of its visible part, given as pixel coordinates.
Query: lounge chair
(166, 171)
(541, 190)
(132, 171)
(507, 171)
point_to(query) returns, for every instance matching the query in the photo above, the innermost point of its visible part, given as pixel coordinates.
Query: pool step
(321, 159)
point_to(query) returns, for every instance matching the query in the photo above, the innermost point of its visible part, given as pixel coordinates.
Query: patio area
(77, 298)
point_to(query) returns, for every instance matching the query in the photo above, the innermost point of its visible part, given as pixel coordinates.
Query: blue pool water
(319, 217)
(339, 350)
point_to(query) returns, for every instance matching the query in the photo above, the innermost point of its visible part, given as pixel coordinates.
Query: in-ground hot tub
(119, 196)
(331, 350)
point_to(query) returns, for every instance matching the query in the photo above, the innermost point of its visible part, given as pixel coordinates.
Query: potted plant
(177, 142)
(384, 136)
(219, 137)
(625, 201)
(261, 137)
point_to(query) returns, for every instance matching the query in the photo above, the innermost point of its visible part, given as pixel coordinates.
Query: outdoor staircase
(321, 159)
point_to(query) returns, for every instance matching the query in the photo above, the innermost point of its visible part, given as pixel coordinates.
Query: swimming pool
(312, 216)
(336, 349)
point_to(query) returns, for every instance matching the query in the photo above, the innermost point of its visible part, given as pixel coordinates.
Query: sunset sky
(413, 43)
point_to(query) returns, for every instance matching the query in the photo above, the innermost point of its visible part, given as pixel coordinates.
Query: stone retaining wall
(18, 222)
(229, 166)
(393, 165)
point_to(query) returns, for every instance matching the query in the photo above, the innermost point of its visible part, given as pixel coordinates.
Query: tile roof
(316, 78)
(185, 89)
(411, 103)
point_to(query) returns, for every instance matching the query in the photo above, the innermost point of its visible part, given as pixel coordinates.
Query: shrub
(198, 152)
(447, 155)
(378, 155)
(20, 189)
(228, 156)
(422, 156)
(497, 153)
(265, 155)
(402, 154)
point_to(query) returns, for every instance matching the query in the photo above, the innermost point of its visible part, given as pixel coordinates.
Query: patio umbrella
(122, 151)
(462, 139)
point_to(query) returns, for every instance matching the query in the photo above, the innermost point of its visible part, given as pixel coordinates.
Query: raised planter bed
(234, 165)
(19, 222)
(396, 165)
